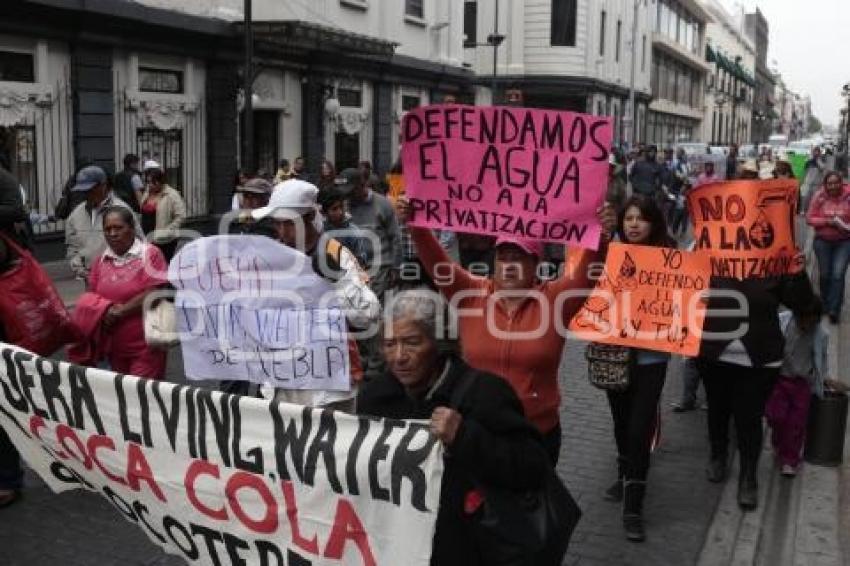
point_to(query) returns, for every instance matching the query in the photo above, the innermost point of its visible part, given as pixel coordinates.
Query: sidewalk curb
(734, 535)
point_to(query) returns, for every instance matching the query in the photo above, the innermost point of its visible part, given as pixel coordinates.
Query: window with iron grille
(414, 8)
(347, 150)
(17, 67)
(160, 80)
(166, 148)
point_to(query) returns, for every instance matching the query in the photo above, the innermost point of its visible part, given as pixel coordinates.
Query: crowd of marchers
(505, 429)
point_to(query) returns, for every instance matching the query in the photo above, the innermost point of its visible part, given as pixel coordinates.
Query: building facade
(764, 102)
(678, 72)
(731, 84)
(574, 55)
(793, 111)
(333, 78)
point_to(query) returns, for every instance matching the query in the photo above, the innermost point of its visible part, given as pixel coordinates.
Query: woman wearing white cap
(295, 221)
(162, 210)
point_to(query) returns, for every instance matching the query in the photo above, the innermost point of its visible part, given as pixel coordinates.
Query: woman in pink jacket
(829, 215)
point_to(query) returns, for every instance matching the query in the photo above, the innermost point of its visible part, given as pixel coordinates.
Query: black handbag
(522, 528)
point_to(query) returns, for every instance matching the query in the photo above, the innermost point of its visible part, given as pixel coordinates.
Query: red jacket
(529, 363)
(88, 312)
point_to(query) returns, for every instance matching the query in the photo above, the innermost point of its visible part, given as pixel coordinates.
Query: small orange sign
(747, 227)
(395, 182)
(647, 297)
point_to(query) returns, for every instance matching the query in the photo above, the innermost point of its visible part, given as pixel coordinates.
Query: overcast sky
(810, 41)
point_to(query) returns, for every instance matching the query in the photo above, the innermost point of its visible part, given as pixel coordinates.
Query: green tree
(814, 125)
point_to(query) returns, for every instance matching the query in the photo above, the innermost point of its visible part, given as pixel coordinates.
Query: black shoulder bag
(522, 528)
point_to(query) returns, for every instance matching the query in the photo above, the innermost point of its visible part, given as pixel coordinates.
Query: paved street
(680, 502)
(80, 528)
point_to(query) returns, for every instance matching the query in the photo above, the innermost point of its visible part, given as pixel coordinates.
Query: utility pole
(495, 39)
(248, 90)
(632, 118)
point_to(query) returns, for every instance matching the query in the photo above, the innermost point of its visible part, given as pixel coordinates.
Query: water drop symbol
(628, 267)
(762, 232)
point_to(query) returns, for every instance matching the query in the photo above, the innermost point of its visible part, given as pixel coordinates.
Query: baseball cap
(348, 179)
(289, 199)
(256, 186)
(531, 247)
(88, 177)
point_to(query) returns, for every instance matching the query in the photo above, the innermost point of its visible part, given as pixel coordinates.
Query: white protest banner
(224, 479)
(252, 309)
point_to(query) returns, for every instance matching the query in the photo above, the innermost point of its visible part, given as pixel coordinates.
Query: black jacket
(646, 176)
(763, 340)
(12, 210)
(495, 445)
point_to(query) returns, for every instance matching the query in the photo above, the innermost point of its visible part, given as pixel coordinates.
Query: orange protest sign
(747, 227)
(647, 297)
(395, 182)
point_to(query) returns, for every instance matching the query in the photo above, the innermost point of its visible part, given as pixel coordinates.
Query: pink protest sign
(523, 172)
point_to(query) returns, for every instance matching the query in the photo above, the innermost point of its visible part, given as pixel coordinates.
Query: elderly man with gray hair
(476, 415)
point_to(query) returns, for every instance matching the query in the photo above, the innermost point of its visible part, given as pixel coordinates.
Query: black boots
(716, 470)
(615, 492)
(633, 494)
(748, 495)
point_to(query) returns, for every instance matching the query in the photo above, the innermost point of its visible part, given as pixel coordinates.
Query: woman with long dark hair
(634, 409)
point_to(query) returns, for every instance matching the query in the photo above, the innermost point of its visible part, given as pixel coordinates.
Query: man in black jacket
(646, 175)
(128, 184)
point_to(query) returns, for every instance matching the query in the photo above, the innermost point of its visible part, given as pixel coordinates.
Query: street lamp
(494, 40)
(631, 119)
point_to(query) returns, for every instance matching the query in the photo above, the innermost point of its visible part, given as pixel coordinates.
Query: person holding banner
(740, 356)
(293, 212)
(533, 314)
(124, 275)
(634, 409)
(11, 473)
(829, 215)
(475, 414)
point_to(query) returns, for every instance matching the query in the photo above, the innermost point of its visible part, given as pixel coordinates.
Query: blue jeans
(11, 474)
(833, 258)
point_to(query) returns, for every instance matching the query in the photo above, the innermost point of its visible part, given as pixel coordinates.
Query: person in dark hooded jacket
(487, 439)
